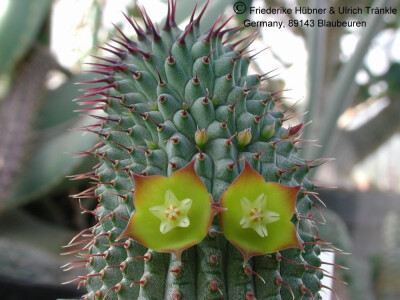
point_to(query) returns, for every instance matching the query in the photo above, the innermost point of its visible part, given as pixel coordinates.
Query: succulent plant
(201, 194)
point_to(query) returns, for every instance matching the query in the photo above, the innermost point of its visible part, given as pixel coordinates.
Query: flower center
(172, 212)
(256, 215)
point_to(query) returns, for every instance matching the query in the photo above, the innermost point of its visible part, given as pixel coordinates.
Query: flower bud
(201, 137)
(244, 138)
(292, 131)
(268, 132)
(151, 145)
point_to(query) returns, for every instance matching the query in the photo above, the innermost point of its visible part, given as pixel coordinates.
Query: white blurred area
(328, 257)
(73, 26)
(72, 42)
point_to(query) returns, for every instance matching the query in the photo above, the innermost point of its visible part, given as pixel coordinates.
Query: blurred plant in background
(349, 79)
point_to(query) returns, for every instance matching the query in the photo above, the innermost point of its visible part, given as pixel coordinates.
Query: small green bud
(151, 145)
(201, 137)
(267, 132)
(244, 138)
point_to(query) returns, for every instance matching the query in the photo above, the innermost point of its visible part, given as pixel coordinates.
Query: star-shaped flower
(257, 219)
(184, 223)
(256, 215)
(173, 213)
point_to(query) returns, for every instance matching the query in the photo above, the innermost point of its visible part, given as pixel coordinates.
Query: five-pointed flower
(257, 219)
(171, 213)
(256, 215)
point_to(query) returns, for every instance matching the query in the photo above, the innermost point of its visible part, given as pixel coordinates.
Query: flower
(257, 219)
(171, 213)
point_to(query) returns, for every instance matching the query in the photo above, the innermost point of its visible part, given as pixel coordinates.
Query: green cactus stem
(182, 118)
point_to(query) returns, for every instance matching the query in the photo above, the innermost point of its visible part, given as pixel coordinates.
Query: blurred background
(346, 80)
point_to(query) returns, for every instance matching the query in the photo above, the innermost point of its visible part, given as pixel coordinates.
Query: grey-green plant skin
(158, 91)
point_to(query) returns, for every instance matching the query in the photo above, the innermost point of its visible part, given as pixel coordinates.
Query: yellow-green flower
(257, 219)
(171, 213)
